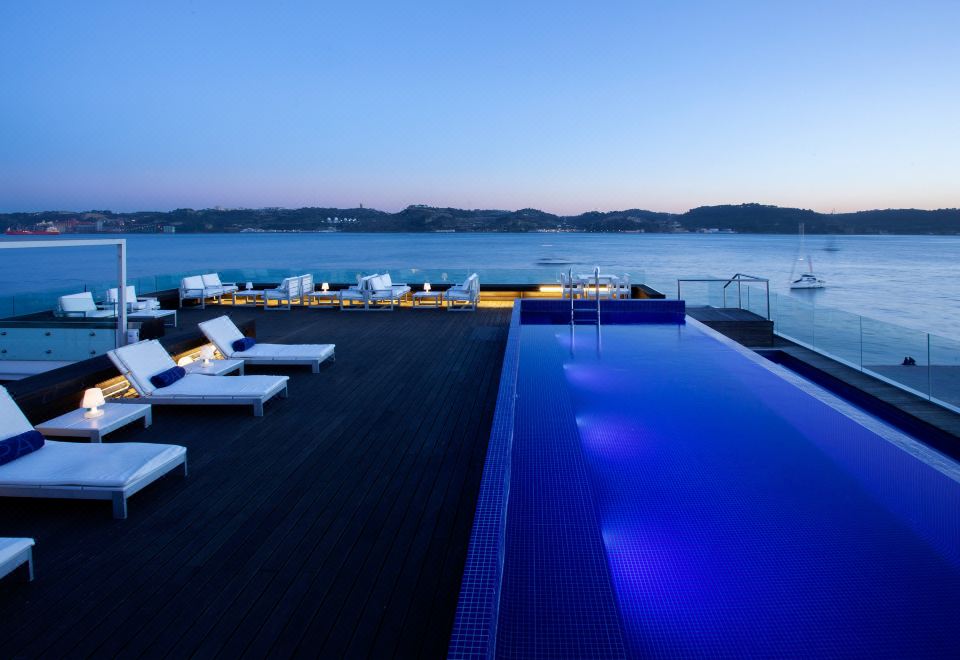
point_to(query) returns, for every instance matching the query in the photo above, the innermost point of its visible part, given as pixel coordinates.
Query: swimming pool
(653, 490)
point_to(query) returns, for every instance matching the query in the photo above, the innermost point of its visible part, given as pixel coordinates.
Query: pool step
(585, 316)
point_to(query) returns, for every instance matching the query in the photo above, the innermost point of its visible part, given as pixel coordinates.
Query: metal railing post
(596, 274)
(860, 319)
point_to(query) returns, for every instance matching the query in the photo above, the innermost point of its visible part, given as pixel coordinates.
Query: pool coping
(474, 632)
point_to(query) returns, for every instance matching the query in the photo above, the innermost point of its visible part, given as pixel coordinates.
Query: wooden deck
(739, 325)
(335, 526)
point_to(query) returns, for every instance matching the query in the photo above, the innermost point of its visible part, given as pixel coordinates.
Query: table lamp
(184, 361)
(249, 285)
(92, 400)
(206, 352)
(325, 286)
(426, 286)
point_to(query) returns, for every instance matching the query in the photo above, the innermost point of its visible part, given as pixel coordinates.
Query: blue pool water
(670, 496)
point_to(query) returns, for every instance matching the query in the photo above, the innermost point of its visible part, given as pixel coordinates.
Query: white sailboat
(807, 279)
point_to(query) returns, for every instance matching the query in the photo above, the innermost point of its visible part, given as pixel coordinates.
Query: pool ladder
(585, 315)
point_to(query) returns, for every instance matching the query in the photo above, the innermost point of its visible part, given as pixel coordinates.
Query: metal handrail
(740, 279)
(596, 275)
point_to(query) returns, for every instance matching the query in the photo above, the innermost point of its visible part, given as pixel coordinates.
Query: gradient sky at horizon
(563, 106)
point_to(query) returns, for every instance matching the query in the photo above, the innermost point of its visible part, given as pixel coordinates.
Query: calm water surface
(909, 280)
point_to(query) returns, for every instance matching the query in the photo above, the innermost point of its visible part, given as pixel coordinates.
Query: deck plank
(337, 524)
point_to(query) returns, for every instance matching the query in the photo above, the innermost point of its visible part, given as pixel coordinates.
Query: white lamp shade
(249, 285)
(184, 361)
(426, 286)
(325, 286)
(92, 398)
(206, 352)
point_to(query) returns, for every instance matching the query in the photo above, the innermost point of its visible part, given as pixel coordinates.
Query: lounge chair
(463, 297)
(81, 305)
(15, 553)
(140, 309)
(134, 303)
(212, 281)
(286, 292)
(193, 288)
(74, 470)
(139, 362)
(222, 333)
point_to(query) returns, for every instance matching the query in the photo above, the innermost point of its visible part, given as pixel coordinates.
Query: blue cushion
(244, 344)
(168, 377)
(20, 445)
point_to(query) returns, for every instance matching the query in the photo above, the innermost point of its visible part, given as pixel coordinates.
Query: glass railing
(35, 302)
(923, 363)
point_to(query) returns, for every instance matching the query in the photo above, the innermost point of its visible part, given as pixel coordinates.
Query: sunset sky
(564, 106)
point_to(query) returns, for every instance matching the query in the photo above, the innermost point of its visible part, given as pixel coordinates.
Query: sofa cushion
(192, 282)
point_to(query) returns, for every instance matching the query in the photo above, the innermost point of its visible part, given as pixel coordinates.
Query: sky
(563, 106)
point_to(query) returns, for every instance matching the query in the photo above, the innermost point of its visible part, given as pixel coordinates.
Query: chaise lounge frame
(138, 382)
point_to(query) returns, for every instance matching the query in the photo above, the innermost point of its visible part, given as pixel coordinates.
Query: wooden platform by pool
(336, 525)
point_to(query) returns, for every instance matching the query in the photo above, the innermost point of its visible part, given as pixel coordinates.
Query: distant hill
(742, 218)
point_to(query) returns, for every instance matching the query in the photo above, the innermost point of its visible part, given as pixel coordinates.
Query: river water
(908, 280)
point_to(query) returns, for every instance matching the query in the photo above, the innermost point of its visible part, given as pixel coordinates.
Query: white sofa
(134, 303)
(81, 305)
(464, 296)
(140, 309)
(193, 288)
(374, 293)
(283, 295)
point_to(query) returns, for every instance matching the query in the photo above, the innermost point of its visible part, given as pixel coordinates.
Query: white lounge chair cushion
(281, 352)
(10, 548)
(225, 387)
(140, 361)
(351, 294)
(90, 465)
(222, 332)
(12, 420)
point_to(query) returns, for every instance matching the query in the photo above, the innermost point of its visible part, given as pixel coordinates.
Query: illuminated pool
(665, 493)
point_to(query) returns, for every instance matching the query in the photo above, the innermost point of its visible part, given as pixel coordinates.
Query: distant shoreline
(725, 219)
